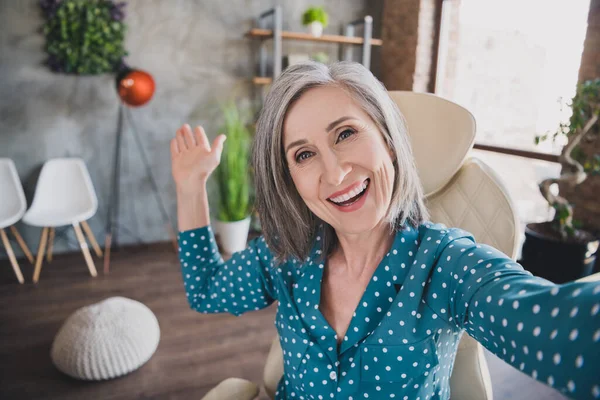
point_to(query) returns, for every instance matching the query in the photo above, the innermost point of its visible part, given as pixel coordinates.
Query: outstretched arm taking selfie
(548, 331)
(244, 282)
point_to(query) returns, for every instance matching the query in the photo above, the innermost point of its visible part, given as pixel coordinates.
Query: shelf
(268, 33)
(262, 80)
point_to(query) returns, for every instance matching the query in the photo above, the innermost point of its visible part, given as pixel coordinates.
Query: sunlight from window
(510, 63)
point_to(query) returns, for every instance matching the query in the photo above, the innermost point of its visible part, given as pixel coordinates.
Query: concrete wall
(198, 56)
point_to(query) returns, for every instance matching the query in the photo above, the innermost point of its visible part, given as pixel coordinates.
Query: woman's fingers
(174, 147)
(218, 145)
(180, 140)
(201, 138)
(189, 136)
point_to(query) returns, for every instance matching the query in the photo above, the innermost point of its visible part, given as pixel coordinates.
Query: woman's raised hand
(193, 159)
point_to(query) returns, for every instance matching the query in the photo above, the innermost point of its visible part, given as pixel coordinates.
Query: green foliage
(321, 57)
(561, 220)
(592, 166)
(83, 37)
(233, 173)
(584, 105)
(313, 14)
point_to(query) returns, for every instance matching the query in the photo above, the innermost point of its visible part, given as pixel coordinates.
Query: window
(510, 62)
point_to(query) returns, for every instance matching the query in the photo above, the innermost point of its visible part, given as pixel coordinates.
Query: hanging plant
(84, 37)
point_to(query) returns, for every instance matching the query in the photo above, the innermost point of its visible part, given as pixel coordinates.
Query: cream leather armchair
(461, 192)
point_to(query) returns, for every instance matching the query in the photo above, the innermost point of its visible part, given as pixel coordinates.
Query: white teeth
(350, 194)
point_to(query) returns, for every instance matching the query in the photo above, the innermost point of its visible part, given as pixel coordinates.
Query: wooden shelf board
(268, 33)
(262, 80)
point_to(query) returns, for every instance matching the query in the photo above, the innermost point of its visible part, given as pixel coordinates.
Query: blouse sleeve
(242, 283)
(550, 332)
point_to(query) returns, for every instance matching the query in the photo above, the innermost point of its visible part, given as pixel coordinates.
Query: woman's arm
(244, 282)
(192, 162)
(550, 332)
(192, 208)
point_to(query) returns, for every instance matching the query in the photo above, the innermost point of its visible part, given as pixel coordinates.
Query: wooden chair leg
(11, 256)
(84, 249)
(22, 243)
(40, 255)
(50, 245)
(91, 237)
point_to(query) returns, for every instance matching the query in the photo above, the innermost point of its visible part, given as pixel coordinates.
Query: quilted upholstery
(476, 201)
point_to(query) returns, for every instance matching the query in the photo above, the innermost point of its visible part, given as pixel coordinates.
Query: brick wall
(408, 33)
(425, 46)
(585, 196)
(399, 34)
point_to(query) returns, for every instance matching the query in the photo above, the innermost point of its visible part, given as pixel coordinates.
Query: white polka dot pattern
(241, 284)
(433, 285)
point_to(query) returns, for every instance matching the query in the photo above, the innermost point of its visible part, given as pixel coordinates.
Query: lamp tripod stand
(112, 220)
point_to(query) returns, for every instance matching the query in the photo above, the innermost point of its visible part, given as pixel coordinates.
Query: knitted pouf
(106, 339)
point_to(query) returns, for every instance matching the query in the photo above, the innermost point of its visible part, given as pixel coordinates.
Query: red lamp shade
(135, 87)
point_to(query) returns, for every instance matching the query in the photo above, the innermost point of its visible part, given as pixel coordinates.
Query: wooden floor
(196, 351)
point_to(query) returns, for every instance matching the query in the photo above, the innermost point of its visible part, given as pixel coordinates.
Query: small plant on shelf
(316, 19)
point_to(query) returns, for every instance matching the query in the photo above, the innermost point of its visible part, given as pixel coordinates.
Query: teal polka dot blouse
(433, 285)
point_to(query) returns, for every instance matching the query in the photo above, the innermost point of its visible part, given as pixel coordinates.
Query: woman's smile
(353, 200)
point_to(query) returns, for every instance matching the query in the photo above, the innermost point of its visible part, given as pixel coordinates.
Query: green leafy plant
(233, 173)
(321, 57)
(583, 123)
(84, 36)
(315, 14)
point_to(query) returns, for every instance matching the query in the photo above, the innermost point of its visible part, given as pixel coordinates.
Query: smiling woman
(346, 155)
(373, 298)
(324, 131)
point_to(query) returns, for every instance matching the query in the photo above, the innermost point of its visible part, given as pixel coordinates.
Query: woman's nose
(335, 169)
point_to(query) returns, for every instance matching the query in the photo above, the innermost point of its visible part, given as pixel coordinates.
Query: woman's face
(333, 147)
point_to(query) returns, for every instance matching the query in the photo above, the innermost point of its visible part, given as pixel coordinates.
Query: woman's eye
(302, 156)
(346, 133)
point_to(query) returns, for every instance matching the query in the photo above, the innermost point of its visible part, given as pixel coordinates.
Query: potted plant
(315, 18)
(233, 176)
(560, 250)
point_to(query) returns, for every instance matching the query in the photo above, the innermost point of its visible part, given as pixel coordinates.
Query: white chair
(64, 195)
(12, 208)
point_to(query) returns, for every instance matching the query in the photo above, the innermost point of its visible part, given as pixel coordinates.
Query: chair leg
(84, 249)
(22, 243)
(50, 246)
(40, 255)
(11, 256)
(91, 237)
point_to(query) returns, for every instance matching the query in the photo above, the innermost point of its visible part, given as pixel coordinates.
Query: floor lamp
(135, 88)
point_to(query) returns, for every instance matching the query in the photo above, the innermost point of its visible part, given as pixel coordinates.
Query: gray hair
(288, 225)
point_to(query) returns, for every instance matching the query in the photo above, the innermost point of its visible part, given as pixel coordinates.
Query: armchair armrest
(233, 389)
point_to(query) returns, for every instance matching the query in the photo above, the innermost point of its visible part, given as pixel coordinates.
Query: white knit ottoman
(106, 340)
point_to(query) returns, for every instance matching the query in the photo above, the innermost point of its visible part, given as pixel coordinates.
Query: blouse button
(333, 375)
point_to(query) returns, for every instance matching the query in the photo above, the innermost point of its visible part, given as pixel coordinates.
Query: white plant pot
(315, 28)
(233, 236)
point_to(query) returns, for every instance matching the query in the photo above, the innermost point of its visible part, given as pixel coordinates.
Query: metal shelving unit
(275, 32)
